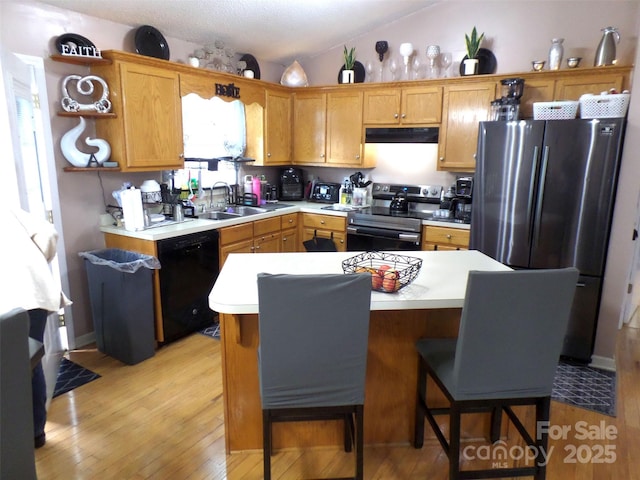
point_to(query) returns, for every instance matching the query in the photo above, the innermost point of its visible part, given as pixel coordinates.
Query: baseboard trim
(85, 340)
(604, 363)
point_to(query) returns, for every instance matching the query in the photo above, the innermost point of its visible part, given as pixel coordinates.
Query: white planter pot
(470, 66)
(348, 76)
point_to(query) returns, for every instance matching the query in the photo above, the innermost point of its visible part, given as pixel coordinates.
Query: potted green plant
(473, 46)
(348, 74)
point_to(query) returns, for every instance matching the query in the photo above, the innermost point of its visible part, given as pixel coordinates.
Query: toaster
(325, 192)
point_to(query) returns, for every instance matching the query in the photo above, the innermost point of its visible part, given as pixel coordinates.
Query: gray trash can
(121, 295)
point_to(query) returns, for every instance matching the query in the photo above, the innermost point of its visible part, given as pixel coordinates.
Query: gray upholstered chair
(17, 458)
(511, 332)
(314, 331)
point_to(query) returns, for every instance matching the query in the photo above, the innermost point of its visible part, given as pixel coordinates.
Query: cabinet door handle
(358, 157)
(404, 115)
(322, 155)
(321, 222)
(269, 154)
(395, 116)
(441, 159)
(181, 155)
(284, 239)
(449, 236)
(290, 221)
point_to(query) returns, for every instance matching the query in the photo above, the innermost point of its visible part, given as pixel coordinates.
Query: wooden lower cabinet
(444, 238)
(324, 226)
(261, 236)
(289, 236)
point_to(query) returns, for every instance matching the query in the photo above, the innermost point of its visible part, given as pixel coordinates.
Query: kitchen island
(429, 307)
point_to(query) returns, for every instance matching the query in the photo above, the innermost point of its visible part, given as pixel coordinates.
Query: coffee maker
(507, 107)
(461, 203)
(291, 184)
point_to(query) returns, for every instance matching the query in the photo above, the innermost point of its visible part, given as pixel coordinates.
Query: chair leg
(421, 398)
(496, 424)
(348, 432)
(266, 444)
(359, 441)
(543, 413)
(454, 442)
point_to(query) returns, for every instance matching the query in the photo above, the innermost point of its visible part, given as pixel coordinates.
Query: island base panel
(390, 388)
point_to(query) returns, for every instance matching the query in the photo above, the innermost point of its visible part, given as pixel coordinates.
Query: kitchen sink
(243, 210)
(219, 216)
(232, 211)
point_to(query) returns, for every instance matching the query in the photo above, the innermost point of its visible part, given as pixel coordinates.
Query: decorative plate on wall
(358, 70)
(252, 64)
(487, 62)
(73, 40)
(150, 42)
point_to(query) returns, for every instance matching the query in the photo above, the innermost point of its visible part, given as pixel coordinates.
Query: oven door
(372, 238)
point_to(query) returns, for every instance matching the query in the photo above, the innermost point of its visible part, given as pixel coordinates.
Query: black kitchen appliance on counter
(326, 192)
(291, 184)
(460, 206)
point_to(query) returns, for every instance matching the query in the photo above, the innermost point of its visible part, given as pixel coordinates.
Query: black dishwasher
(189, 268)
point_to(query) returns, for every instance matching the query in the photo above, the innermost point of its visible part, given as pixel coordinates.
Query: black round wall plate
(151, 43)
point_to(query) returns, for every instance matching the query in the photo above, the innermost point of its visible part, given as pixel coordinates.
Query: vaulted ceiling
(276, 31)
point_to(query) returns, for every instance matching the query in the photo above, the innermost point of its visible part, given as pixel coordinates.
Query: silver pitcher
(606, 51)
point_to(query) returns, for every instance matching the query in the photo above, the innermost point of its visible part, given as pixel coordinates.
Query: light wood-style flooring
(163, 419)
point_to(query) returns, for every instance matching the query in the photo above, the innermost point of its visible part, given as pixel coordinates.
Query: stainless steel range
(394, 220)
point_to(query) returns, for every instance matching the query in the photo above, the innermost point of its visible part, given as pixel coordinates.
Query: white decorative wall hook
(84, 86)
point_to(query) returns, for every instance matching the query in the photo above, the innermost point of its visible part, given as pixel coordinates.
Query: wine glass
(417, 65)
(369, 71)
(445, 61)
(406, 50)
(393, 68)
(382, 47)
(433, 52)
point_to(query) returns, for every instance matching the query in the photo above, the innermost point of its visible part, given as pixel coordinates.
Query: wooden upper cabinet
(571, 88)
(535, 90)
(278, 128)
(344, 128)
(464, 106)
(406, 106)
(269, 129)
(309, 127)
(147, 131)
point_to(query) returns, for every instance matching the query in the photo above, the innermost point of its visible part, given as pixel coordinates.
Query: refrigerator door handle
(543, 175)
(532, 187)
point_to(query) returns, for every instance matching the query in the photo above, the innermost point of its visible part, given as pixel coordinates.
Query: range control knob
(434, 191)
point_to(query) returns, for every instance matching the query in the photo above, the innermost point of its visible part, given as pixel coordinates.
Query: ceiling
(276, 31)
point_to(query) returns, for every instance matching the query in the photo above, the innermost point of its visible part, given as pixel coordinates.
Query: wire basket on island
(389, 271)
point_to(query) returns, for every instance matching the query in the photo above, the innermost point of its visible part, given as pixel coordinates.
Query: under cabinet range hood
(402, 135)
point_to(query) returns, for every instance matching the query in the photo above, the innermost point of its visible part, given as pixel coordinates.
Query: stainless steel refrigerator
(543, 198)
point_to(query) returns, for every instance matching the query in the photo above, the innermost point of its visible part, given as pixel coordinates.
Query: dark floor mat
(212, 331)
(70, 376)
(585, 387)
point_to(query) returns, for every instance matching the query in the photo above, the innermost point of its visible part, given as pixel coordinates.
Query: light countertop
(441, 282)
(194, 225)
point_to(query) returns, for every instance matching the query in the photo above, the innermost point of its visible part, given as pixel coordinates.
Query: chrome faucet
(228, 197)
